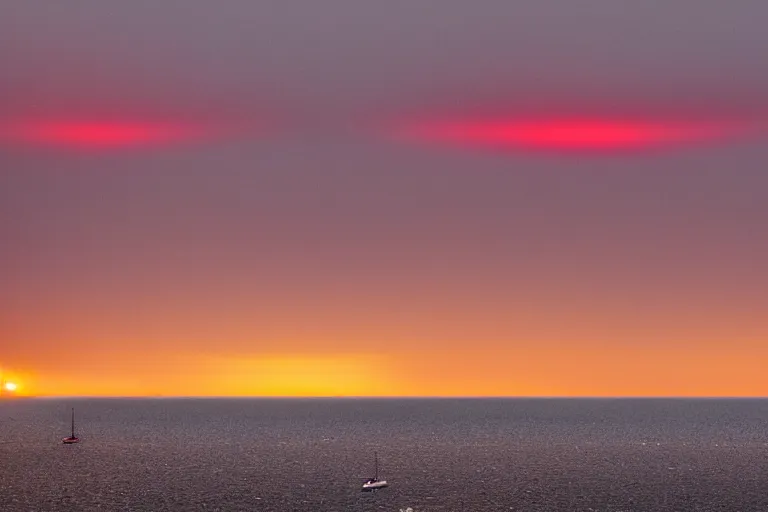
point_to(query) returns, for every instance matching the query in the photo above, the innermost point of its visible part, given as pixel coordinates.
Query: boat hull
(70, 440)
(373, 486)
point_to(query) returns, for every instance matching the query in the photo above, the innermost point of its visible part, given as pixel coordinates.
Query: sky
(340, 198)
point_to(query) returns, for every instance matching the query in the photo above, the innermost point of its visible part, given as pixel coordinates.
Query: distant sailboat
(72, 439)
(374, 483)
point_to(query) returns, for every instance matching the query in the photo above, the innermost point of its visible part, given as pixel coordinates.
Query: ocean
(453, 455)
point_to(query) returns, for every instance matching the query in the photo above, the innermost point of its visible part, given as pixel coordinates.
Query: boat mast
(73, 422)
(375, 466)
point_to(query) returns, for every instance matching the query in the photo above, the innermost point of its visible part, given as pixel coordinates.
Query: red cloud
(569, 134)
(98, 135)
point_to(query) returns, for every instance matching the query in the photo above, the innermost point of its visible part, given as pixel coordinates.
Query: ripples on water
(438, 455)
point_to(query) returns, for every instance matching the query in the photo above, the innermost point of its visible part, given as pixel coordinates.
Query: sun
(10, 386)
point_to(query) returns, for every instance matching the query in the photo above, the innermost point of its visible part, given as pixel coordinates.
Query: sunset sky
(347, 198)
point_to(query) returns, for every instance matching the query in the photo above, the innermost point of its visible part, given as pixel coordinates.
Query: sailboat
(72, 439)
(374, 483)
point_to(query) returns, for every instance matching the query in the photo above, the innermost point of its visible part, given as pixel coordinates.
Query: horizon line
(396, 397)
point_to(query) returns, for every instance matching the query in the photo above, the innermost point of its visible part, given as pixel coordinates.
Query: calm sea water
(438, 455)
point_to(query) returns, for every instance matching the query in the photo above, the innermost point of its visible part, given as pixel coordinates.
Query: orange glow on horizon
(594, 371)
(269, 376)
(570, 134)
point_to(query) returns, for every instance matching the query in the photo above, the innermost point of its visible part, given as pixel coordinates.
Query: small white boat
(72, 439)
(373, 484)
